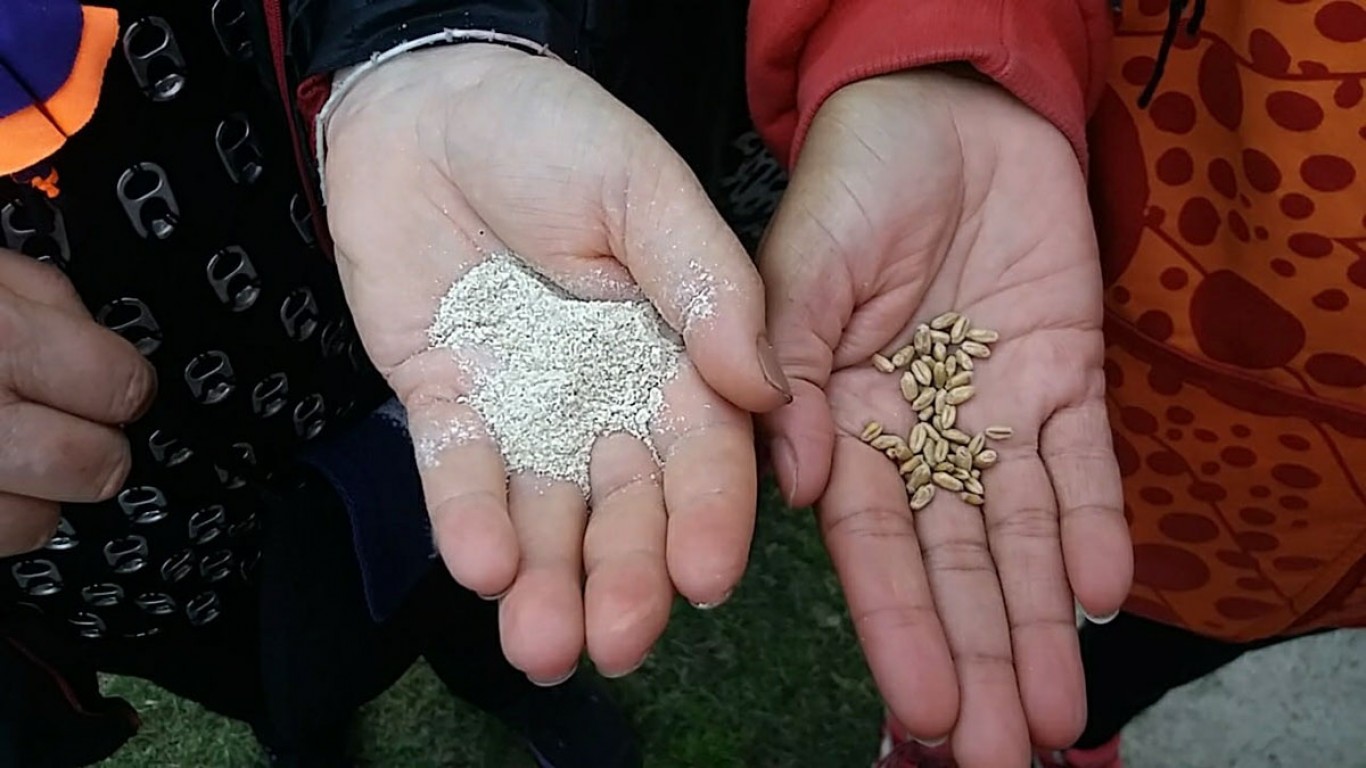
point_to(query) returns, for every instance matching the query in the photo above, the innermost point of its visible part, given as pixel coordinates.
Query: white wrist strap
(444, 37)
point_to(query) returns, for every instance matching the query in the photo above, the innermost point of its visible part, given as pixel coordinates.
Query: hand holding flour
(441, 159)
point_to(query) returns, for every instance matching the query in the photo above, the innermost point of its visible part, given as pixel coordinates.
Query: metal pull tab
(148, 200)
(102, 595)
(38, 578)
(65, 537)
(203, 608)
(207, 524)
(270, 395)
(178, 566)
(210, 378)
(158, 66)
(126, 555)
(229, 22)
(143, 505)
(167, 450)
(40, 234)
(131, 319)
(238, 149)
(233, 278)
(310, 416)
(299, 314)
(301, 214)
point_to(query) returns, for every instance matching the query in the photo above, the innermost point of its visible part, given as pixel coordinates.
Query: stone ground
(1301, 704)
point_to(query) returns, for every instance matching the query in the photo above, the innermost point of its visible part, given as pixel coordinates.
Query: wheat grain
(883, 364)
(945, 320)
(910, 389)
(922, 498)
(870, 432)
(999, 432)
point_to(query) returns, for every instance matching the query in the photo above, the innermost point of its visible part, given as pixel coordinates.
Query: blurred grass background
(771, 679)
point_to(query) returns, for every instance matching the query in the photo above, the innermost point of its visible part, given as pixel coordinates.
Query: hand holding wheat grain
(915, 194)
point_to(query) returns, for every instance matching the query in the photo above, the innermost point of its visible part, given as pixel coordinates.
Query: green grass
(771, 679)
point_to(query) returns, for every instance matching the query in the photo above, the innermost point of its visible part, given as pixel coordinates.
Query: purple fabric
(38, 43)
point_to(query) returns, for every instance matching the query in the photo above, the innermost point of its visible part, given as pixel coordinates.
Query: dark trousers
(296, 669)
(1132, 662)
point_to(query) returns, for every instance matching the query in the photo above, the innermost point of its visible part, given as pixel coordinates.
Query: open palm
(438, 160)
(915, 194)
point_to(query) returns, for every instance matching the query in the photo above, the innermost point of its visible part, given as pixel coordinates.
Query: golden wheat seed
(940, 353)
(972, 499)
(939, 403)
(921, 340)
(962, 458)
(960, 379)
(917, 438)
(983, 336)
(959, 395)
(959, 331)
(975, 474)
(951, 365)
(922, 498)
(938, 422)
(871, 432)
(933, 434)
(923, 375)
(957, 436)
(883, 364)
(940, 374)
(919, 476)
(960, 473)
(946, 481)
(984, 459)
(885, 441)
(910, 389)
(974, 486)
(976, 350)
(908, 466)
(977, 443)
(926, 413)
(945, 320)
(949, 416)
(941, 452)
(999, 432)
(964, 360)
(946, 467)
(940, 337)
(923, 400)
(902, 357)
(900, 453)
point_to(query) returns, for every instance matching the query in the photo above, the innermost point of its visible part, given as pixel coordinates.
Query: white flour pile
(561, 371)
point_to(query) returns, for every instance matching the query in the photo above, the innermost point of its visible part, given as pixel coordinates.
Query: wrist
(410, 63)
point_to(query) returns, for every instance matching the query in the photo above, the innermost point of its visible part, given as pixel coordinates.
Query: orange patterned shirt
(1232, 217)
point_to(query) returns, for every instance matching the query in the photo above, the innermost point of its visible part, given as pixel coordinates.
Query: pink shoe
(1104, 756)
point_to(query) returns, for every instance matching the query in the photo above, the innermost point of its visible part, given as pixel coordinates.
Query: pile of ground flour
(556, 372)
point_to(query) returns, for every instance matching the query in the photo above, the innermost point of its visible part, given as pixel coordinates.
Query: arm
(1049, 53)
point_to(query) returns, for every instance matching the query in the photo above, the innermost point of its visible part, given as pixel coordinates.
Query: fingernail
(785, 465)
(930, 743)
(629, 671)
(493, 598)
(556, 681)
(773, 370)
(1106, 619)
(710, 606)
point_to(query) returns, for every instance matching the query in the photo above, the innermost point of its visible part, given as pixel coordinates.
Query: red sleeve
(1049, 53)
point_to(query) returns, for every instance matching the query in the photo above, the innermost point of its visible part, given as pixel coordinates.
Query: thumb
(810, 300)
(689, 263)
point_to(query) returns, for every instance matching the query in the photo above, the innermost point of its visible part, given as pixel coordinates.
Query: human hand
(441, 158)
(66, 386)
(914, 194)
